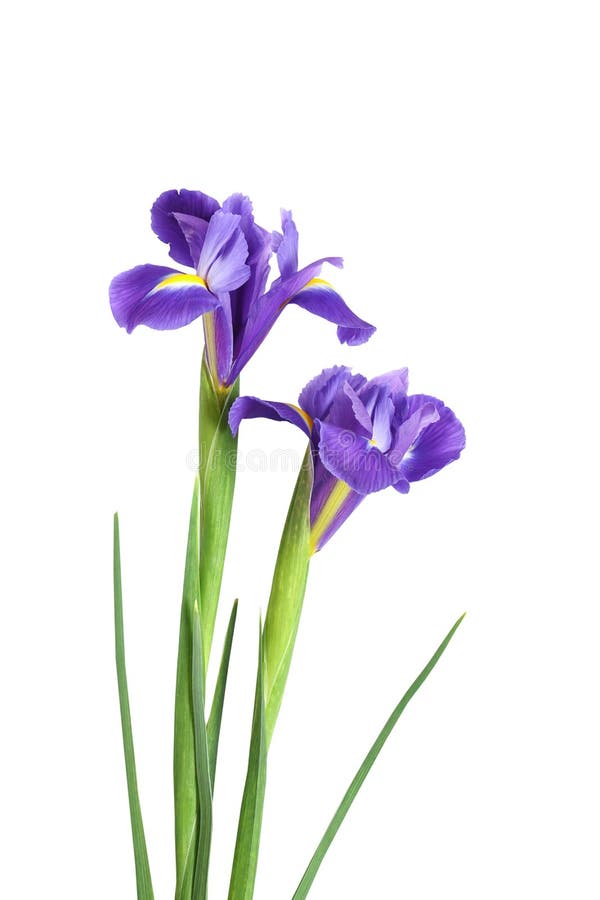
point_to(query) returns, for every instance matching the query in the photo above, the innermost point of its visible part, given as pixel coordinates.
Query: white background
(449, 150)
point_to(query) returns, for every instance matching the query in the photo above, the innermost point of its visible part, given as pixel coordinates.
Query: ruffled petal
(166, 227)
(361, 413)
(222, 262)
(437, 445)
(354, 460)
(318, 395)
(420, 417)
(253, 408)
(159, 297)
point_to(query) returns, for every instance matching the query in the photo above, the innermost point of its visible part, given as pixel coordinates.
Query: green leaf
(218, 461)
(200, 884)
(184, 756)
(287, 594)
(245, 859)
(142, 866)
(213, 728)
(313, 867)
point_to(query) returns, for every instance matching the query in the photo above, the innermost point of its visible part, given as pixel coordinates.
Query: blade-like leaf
(218, 460)
(202, 764)
(213, 728)
(287, 594)
(313, 867)
(245, 859)
(184, 756)
(142, 866)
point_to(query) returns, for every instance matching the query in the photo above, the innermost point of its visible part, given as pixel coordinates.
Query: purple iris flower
(229, 255)
(365, 436)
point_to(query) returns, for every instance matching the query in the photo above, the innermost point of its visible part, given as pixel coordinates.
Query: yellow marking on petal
(180, 278)
(314, 282)
(317, 282)
(304, 415)
(339, 494)
(210, 343)
(372, 442)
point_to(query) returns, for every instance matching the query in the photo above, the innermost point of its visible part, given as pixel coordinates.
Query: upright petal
(259, 254)
(166, 226)
(437, 445)
(253, 408)
(420, 417)
(286, 245)
(159, 297)
(194, 231)
(222, 262)
(318, 395)
(353, 459)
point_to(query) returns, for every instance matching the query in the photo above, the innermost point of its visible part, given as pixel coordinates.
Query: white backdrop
(450, 152)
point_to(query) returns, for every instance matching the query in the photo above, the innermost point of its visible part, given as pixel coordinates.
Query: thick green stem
(218, 461)
(207, 543)
(287, 595)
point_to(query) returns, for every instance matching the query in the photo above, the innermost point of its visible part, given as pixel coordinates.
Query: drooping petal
(319, 298)
(353, 459)
(332, 501)
(159, 297)
(286, 245)
(437, 445)
(266, 309)
(222, 261)
(253, 408)
(318, 395)
(166, 227)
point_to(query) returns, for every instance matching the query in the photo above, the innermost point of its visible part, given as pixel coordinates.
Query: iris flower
(365, 436)
(229, 255)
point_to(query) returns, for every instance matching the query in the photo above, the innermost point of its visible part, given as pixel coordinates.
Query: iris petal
(437, 445)
(166, 227)
(222, 262)
(353, 459)
(319, 298)
(158, 297)
(253, 408)
(318, 395)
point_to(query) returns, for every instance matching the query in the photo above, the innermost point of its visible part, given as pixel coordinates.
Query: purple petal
(194, 231)
(222, 262)
(166, 227)
(326, 517)
(159, 297)
(437, 445)
(419, 418)
(259, 254)
(319, 298)
(318, 395)
(265, 311)
(361, 414)
(218, 340)
(380, 407)
(395, 381)
(253, 408)
(353, 459)
(287, 245)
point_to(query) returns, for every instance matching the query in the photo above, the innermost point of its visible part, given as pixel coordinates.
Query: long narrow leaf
(184, 756)
(313, 867)
(245, 860)
(213, 728)
(218, 460)
(202, 764)
(142, 866)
